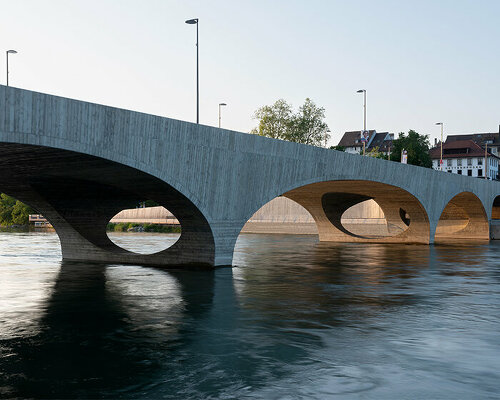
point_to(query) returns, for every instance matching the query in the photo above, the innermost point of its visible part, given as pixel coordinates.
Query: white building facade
(465, 158)
(469, 166)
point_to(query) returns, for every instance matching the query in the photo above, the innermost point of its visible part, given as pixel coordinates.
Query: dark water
(295, 320)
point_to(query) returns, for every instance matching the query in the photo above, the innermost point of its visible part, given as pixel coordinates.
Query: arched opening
(495, 212)
(406, 220)
(495, 219)
(463, 217)
(367, 219)
(345, 211)
(79, 194)
(144, 229)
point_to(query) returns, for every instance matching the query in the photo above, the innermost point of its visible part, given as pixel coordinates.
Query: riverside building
(466, 157)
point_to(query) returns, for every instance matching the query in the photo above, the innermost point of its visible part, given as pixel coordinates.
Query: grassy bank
(134, 227)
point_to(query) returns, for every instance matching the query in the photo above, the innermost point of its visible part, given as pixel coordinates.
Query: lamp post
(364, 117)
(441, 159)
(486, 161)
(220, 105)
(326, 135)
(7, 54)
(194, 21)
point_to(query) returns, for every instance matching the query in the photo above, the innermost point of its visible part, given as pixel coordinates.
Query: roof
(459, 149)
(479, 138)
(386, 146)
(352, 139)
(379, 140)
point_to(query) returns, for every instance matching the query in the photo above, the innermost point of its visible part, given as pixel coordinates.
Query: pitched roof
(352, 139)
(459, 149)
(378, 140)
(479, 138)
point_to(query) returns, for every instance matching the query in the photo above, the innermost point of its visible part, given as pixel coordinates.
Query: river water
(295, 319)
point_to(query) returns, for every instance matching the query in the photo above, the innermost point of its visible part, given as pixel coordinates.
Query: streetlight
(441, 160)
(326, 135)
(7, 53)
(364, 117)
(194, 21)
(220, 105)
(486, 161)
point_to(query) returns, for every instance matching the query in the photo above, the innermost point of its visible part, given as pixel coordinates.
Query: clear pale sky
(420, 61)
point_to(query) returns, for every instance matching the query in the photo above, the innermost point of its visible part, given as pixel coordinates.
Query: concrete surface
(80, 163)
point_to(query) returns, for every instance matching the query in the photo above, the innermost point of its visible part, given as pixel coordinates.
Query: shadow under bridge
(79, 194)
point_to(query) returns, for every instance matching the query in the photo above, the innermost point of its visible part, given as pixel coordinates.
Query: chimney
(435, 142)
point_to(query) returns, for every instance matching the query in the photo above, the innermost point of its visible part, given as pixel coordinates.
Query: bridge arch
(463, 217)
(495, 210)
(80, 193)
(327, 201)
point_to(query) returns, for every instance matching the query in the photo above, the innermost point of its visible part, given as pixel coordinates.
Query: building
(492, 140)
(38, 221)
(352, 142)
(466, 157)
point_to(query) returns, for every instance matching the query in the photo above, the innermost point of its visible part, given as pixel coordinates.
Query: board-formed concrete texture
(79, 164)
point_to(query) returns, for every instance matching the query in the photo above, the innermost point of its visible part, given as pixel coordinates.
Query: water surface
(295, 319)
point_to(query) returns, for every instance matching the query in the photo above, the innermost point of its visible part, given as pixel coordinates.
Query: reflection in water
(156, 241)
(98, 333)
(294, 319)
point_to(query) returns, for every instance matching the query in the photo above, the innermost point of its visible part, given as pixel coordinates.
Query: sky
(421, 62)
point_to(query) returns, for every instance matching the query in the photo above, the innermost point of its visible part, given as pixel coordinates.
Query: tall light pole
(220, 105)
(486, 161)
(364, 116)
(441, 160)
(7, 54)
(194, 21)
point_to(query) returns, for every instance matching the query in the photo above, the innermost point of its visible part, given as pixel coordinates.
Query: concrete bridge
(80, 163)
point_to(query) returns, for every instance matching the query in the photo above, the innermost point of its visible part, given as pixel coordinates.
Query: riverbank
(24, 229)
(135, 227)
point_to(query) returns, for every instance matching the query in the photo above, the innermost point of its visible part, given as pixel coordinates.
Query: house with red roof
(466, 157)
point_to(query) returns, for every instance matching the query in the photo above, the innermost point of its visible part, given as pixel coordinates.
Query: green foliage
(417, 147)
(12, 211)
(306, 126)
(338, 148)
(21, 213)
(150, 203)
(158, 228)
(375, 153)
(274, 120)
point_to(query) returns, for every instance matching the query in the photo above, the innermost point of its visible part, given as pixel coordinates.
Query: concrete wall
(212, 179)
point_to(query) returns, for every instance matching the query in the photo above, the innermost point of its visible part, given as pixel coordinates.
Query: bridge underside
(463, 218)
(406, 218)
(79, 194)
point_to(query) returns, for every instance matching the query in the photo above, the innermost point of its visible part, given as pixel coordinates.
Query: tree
(274, 120)
(375, 153)
(21, 213)
(6, 205)
(338, 148)
(417, 147)
(306, 126)
(13, 211)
